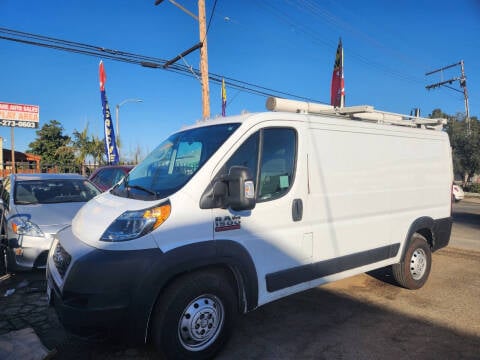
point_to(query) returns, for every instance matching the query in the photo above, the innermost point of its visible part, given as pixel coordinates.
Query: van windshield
(173, 163)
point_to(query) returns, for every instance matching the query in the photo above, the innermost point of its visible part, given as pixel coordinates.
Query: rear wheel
(194, 316)
(413, 271)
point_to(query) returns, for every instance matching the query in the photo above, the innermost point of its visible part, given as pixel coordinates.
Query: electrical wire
(211, 17)
(142, 60)
(310, 8)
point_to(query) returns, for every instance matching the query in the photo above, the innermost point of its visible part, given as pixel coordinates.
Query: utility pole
(1, 158)
(13, 149)
(202, 26)
(463, 84)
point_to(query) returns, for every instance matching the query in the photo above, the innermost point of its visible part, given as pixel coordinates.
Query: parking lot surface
(363, 317)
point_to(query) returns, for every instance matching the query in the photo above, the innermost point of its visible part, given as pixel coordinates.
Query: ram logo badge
(225, 223)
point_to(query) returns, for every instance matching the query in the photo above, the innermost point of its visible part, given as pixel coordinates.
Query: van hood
(50, 218)
(99, 213)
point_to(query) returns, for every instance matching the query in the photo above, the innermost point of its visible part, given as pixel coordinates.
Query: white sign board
(19, 115)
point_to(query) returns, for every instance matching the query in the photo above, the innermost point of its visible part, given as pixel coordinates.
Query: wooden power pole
(202, 24)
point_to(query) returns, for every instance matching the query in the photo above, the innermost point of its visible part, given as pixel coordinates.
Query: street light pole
(117, 120)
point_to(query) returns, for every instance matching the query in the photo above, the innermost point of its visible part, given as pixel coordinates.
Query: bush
(474, 188)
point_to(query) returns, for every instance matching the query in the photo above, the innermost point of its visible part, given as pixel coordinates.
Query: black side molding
(289, 277)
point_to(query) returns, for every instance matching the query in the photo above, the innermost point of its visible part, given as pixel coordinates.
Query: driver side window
(278, 163)
(277, 166)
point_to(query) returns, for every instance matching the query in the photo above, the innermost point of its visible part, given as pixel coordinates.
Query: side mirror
(241, 191)
(235, 190)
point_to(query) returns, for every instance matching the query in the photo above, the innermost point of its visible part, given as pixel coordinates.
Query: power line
(137, 59)
(316, 10)
(211, 16)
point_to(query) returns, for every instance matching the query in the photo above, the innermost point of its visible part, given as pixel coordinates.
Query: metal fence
(32, 167)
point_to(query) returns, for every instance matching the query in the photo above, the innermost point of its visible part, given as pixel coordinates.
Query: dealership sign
(19, 115)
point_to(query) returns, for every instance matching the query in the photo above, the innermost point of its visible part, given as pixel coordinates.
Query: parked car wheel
(3, 249)
(3, 261)
(194, 316)
(413, 271)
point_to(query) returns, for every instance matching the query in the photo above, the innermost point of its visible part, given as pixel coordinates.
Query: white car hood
(50, 218)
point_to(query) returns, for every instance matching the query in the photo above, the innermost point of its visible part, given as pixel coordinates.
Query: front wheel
(194, 316)
(413, 271)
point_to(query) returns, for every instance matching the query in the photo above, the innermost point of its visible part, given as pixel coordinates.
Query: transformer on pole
(462, 79)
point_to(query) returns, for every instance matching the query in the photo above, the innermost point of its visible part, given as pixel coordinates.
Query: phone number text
(19, 123)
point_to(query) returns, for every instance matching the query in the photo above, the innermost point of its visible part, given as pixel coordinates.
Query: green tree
(465, 145)
(52, 145)
(97, 150)
(82, 146)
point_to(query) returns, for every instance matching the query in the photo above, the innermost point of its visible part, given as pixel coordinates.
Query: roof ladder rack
(359, 112)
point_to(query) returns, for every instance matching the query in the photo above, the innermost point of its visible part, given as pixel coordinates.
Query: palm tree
(81, 144)
(97, 149)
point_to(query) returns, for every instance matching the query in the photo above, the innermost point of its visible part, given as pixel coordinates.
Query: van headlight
(26, 227)
(133, 224)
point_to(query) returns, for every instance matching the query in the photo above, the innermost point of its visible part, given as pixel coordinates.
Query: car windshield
(173, 163)
(53, 191)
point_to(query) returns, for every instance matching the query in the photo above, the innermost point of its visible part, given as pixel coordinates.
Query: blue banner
(111, 150)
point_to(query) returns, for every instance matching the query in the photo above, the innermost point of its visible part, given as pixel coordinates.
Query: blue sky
(285, 45)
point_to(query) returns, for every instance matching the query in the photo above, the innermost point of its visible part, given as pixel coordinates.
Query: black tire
(3, 261)
(194, 317)
(3, 248)
(413, 271)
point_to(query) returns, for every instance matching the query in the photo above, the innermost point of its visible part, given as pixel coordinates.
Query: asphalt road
(362, 317)
(466, 229)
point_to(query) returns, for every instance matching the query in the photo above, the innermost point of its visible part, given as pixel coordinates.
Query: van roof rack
(359, 112)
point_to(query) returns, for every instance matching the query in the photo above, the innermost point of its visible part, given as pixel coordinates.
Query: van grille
(61, 259)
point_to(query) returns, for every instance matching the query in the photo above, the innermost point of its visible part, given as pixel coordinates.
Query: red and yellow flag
(224, 98)
(337, 90)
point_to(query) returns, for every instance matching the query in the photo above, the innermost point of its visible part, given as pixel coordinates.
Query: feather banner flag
(111, 150)
(337, 90)
(224, 98)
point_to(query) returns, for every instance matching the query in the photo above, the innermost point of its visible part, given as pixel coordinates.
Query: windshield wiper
(142, 188)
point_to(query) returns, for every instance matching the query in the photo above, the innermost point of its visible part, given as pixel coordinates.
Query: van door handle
(297, 209)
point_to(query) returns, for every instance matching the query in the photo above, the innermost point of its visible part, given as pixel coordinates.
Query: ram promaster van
(235, 212)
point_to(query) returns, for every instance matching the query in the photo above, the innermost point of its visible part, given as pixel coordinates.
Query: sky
(285, 45)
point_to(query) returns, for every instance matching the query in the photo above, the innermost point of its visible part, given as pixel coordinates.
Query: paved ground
(363, 317)
(466, 229)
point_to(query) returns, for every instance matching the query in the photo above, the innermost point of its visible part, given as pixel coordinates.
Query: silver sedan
(34, 207)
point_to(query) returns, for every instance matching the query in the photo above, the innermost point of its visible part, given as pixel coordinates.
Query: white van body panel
(359, 186)
(365, 183)
(350, 203)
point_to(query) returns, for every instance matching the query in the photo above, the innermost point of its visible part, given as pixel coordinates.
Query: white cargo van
(235, 212)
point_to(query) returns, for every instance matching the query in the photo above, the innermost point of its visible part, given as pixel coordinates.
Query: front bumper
(100, 292)
(28, 252)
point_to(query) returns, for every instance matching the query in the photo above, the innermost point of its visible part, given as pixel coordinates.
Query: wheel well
(427, 234)
(231, 274)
